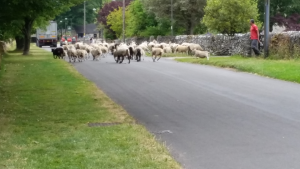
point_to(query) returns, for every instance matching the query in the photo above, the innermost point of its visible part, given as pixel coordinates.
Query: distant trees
(105, 11)
(230, 16)
(284, 8)
(291, 23)
(187, 13)
(18, 17)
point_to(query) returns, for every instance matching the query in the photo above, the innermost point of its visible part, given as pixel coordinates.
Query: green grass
(45, 108)
(288, 70)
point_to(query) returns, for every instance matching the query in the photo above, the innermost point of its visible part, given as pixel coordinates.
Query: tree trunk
(190, 27)
(19, 42)
(27, 33)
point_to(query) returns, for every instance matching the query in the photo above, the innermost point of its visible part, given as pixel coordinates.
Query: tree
(230, 16)
(187, 13)
(139, 19)
(291, 23)
(115, 20)
(105, 11)
(282, 7)
(75, 15)
(29, 11)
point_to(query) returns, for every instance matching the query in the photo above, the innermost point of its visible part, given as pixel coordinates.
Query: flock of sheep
(81, 51)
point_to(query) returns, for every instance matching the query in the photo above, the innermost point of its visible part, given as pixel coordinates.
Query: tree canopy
(284, 8)
(187, 13)
(230, 16)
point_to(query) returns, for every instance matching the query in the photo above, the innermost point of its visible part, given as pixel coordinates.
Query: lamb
(201, 54)
(157, 52)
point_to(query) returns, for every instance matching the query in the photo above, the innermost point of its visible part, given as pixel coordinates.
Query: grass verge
(45, 108)
(280, 69)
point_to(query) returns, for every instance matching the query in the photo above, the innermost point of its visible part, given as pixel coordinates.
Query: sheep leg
(153, 58)
(159, 57)
(122, 59)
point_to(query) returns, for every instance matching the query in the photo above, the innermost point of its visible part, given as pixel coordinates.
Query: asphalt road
(210, 118)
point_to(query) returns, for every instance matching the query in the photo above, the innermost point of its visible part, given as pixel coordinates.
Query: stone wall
(223, 45)
(216, 44)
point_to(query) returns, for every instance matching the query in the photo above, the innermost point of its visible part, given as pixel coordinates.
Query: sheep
(201, 54)
(72, 54)
(111, 47)
(139, 52)
(81, 54)
(58, 52)
(88, 50)
(157, 52)
(182, 49)
(173, 47)
(121, 53)
(96, 53)
(104, 50)
(194, 46)
(131, 52)
(167, 50)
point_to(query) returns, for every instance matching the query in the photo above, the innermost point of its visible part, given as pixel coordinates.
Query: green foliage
(115, 20)
(187, 13)
(284, 7)
(230, 16)
(139, 20)
(200, 28)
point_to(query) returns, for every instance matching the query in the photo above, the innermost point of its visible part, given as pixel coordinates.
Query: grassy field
(45, 109)
(281, 69)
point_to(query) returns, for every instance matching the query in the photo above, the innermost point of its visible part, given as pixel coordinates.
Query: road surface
(210, 118)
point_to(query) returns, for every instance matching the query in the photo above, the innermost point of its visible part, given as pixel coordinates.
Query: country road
(210, 118)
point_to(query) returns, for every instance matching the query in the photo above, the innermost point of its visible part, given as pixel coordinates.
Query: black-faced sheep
(121, 53)
(58, 52)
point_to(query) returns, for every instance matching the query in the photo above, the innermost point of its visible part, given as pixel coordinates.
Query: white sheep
(72, 54)
(182, 49)
(96, 53)
(167, 50)
(201, 54)
(81, 54)
(157, 52)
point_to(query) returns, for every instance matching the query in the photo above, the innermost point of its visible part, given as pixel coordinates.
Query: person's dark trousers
(254, 46)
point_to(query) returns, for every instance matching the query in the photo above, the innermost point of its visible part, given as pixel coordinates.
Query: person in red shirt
(254, 36)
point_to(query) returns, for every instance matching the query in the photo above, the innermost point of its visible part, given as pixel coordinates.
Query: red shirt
(253, 32)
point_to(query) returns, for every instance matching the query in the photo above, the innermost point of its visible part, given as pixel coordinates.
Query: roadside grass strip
(288, 70)
(46, 107)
